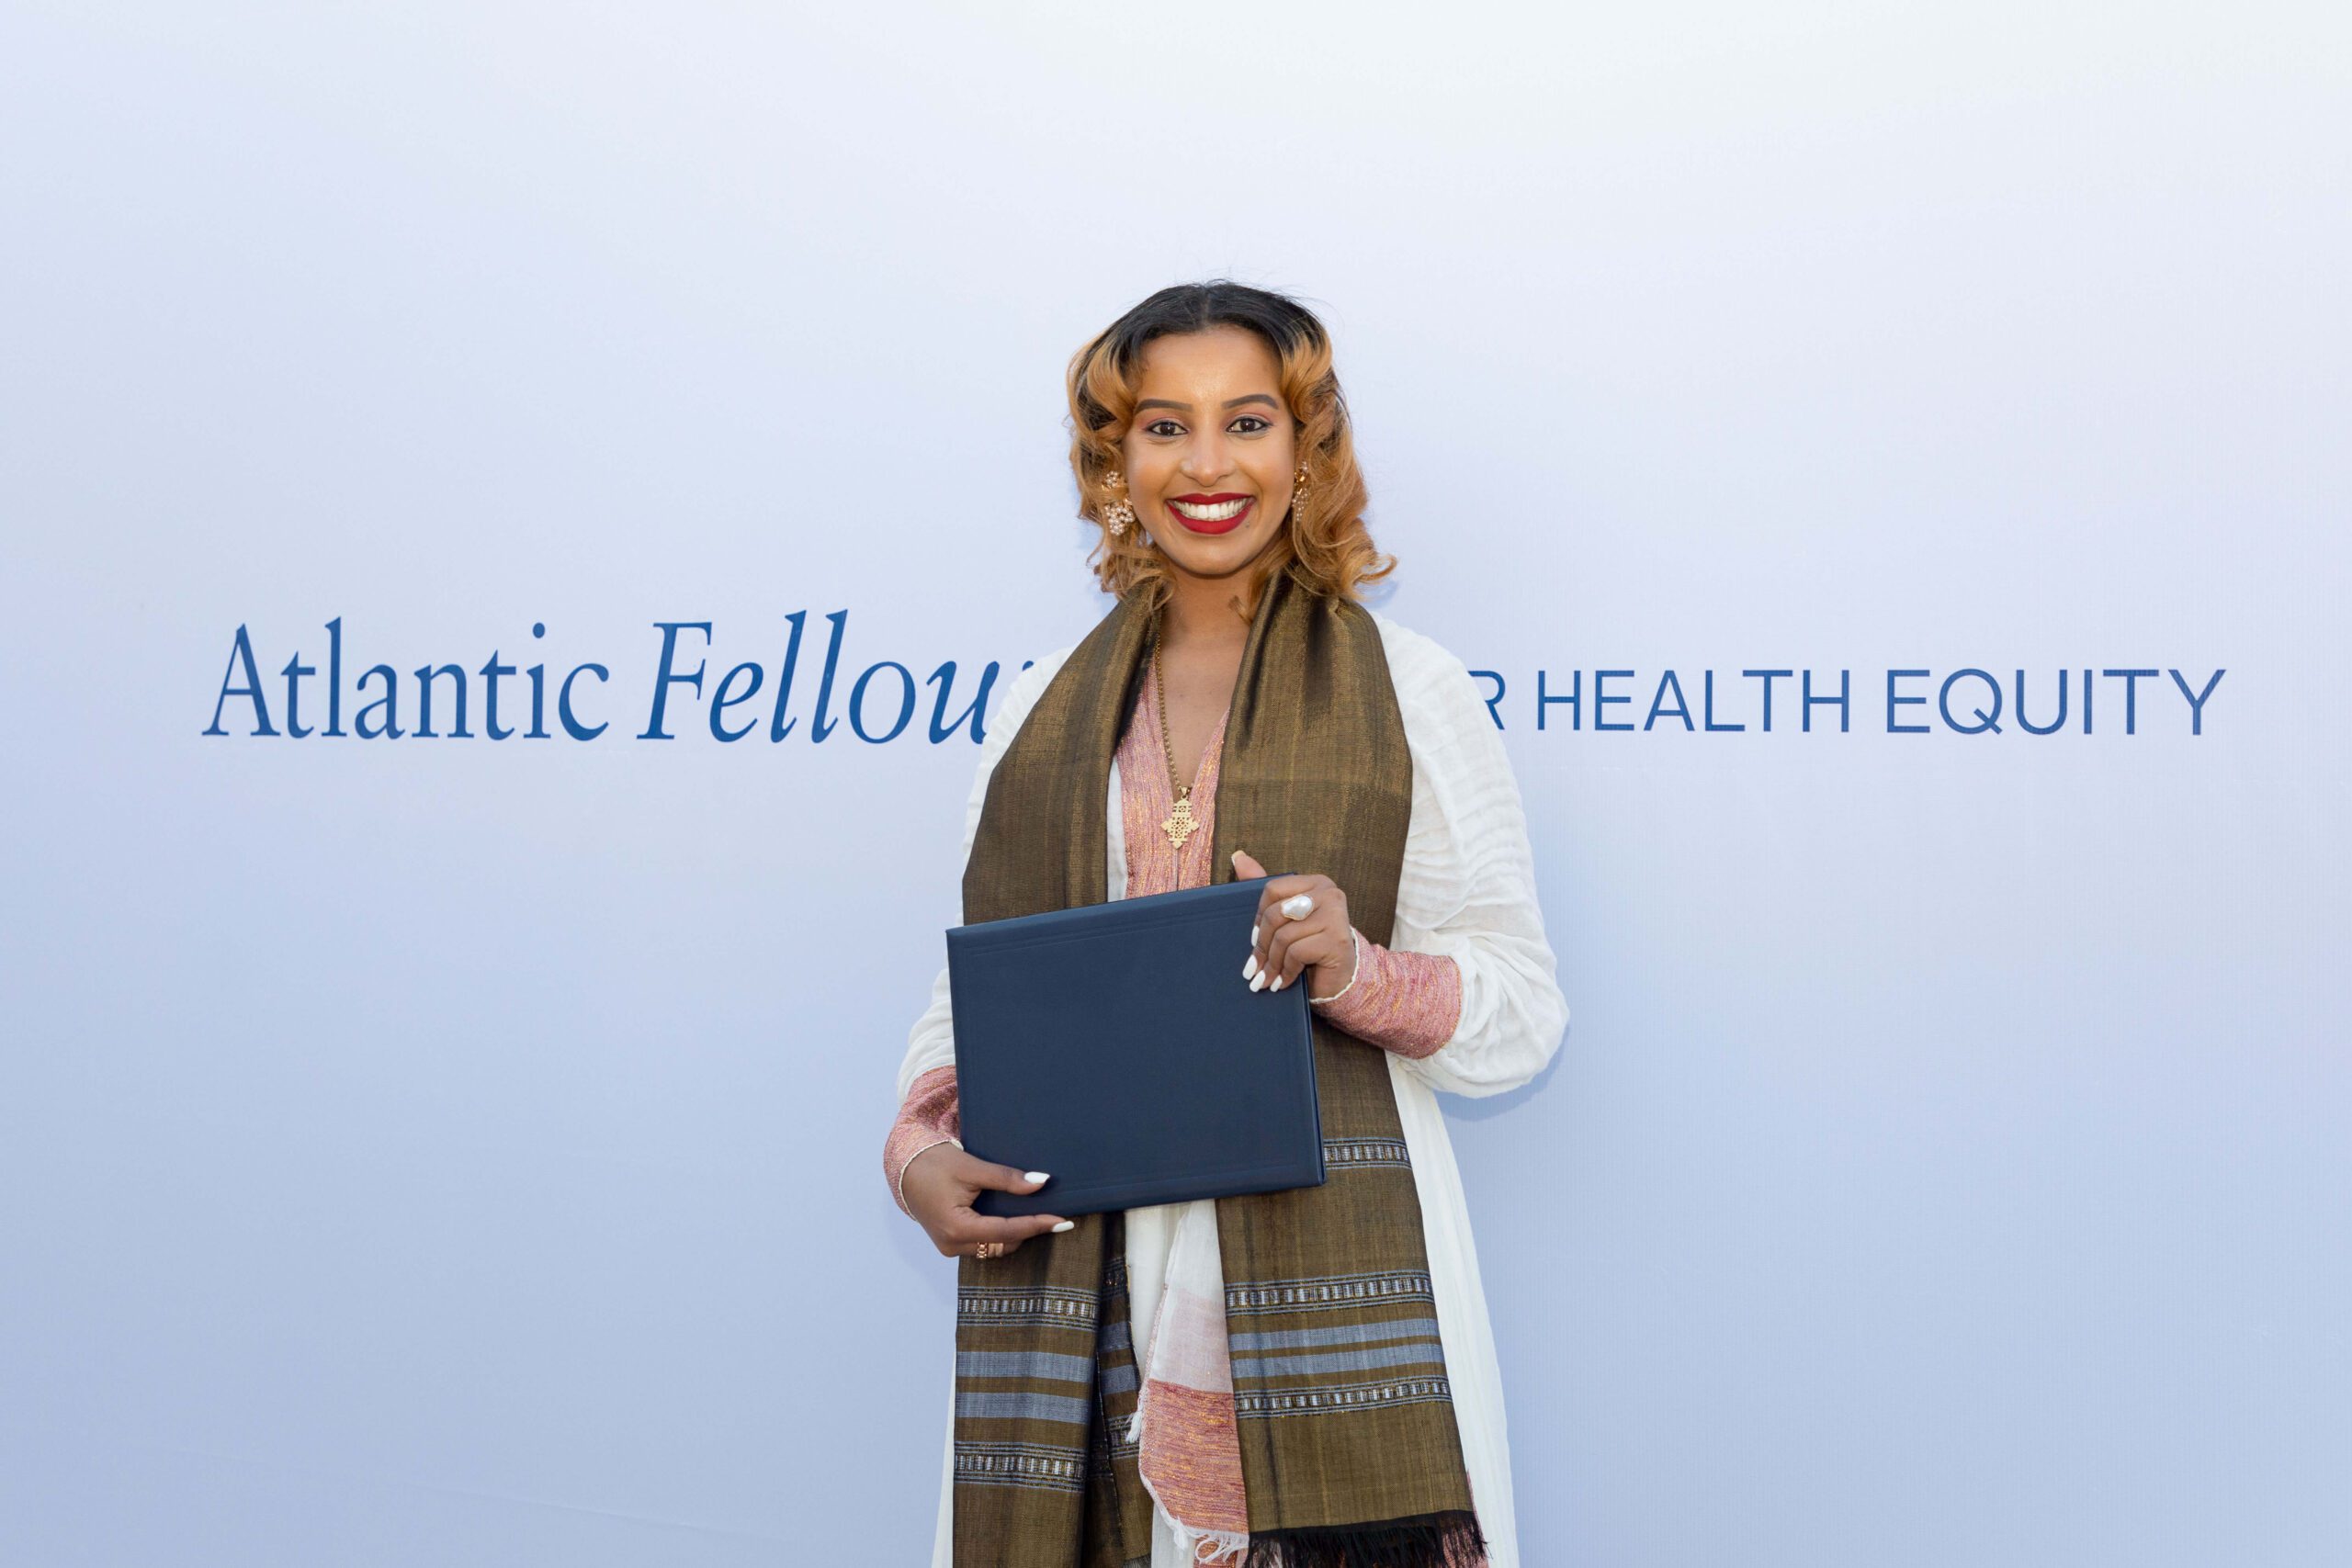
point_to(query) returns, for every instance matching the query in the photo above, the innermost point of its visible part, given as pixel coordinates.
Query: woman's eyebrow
(1187, 408)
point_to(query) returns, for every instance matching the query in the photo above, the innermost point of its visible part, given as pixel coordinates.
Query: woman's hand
(939, 1185)
(1317, 943)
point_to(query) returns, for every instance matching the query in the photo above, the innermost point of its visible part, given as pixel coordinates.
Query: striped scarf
(1349, 1454)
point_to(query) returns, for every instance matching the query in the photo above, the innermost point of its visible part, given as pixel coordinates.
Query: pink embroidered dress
(1406, 1002)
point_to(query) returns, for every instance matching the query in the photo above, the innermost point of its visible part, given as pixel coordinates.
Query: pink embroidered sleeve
(1407, 1002)
(929, 1117)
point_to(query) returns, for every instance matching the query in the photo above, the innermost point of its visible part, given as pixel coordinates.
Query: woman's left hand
(1316, 943)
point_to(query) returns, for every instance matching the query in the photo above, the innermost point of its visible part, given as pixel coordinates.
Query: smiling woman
(1233, 442)
(1161, 454)
(1289, 1378)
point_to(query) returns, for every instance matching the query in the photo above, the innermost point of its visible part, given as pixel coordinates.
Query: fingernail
(1066, 1225)
(1253, 936)
(1249, 968)
(1278, 984)
(1237, 855)
(1037, 1175)
(1261, 980)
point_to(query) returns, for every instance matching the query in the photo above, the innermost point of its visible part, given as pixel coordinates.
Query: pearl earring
(1118, 514)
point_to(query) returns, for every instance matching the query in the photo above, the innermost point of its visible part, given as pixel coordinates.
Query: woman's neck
(1199, 615)
(1200, 612)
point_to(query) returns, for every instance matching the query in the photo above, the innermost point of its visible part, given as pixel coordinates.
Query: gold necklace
(1179, 823)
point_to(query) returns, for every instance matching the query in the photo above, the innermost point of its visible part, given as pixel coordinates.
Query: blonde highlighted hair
(1323, 543)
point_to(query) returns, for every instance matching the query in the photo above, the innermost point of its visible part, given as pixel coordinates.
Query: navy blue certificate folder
(1117, 1047)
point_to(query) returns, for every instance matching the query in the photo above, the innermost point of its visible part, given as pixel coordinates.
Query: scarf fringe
(1451, 1539)
(1223, 1546)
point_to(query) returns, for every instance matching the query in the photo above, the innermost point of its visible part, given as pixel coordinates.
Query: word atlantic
(882, 701)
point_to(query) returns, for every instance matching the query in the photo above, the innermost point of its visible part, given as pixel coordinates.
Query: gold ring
(987, 1249)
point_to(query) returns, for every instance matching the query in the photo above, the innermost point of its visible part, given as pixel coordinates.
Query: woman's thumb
(1245, 865)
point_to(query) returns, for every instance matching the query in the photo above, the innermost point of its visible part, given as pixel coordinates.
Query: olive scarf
(1349, 1454)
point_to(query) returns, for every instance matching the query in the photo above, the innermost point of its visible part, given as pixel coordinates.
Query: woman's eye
(1261, 422)
(1156, 428)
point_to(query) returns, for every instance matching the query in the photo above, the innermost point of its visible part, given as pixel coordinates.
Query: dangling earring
(1119, 513)
(1298, 494)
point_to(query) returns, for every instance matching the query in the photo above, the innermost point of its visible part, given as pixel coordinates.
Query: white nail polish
(1035, 1176)
(1249, 968)
(1259, 982)
(1066, 1225)
(1253, 936)
(1279, 983)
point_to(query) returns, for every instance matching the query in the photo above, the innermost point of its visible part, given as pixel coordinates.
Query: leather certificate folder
(1117, 1047)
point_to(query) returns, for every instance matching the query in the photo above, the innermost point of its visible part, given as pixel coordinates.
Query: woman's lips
(1201, 525)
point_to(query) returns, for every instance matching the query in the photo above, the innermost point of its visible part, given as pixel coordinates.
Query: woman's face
(1210, 454)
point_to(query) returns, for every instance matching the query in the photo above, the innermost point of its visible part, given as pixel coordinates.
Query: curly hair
(1324, 544)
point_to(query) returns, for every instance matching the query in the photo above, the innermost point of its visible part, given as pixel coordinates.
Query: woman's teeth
(1222, 512)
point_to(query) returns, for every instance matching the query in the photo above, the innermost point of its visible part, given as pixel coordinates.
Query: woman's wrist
(898, 1182)
(1406, 1003)
(1355, 968)
(930, 1116)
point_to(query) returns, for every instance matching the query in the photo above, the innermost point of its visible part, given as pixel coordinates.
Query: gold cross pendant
(1179, 823)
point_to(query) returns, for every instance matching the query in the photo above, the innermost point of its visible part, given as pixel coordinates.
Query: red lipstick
(1222, 526)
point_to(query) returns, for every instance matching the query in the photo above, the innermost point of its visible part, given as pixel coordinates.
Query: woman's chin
(1212, 554)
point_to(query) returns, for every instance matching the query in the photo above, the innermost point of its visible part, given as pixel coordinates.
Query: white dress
(1467, 889)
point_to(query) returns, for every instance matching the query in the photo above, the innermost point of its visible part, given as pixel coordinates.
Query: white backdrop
(467, 1152)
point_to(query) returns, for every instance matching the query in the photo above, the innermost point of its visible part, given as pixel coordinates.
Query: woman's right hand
(939, 1185)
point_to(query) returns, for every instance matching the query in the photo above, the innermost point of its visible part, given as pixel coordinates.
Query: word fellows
(880, 705)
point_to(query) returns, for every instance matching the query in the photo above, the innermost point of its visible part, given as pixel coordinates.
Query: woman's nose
(1207, 460)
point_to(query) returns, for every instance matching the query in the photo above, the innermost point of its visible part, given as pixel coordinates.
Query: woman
(1297, 1378)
